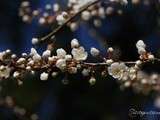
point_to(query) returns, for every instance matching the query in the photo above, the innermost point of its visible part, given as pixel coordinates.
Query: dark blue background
(79, 101)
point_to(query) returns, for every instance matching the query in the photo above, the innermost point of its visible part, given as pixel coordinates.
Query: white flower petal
(61, 53)
(61, 64)
(117, 70)
(140, 44)
(79, 54)
(94, 52)
(5, 72)
(44, 76)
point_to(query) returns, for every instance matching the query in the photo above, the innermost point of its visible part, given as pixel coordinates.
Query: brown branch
(104, 64)
(126, 62)
(43, 39)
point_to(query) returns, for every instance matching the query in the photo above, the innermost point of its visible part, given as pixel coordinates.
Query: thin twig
(126, 62)
(43, 39)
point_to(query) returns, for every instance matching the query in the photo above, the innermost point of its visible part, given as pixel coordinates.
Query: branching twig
(43, 39)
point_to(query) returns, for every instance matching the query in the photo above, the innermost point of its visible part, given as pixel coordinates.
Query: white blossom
(125, 76)
(21, 60)
(54, 74)
(73, 26)
(141, 75)
(25, 4)
(85, 72)
(73, 70)
(97, 23)
(42, 20)
(24, 54)
(31, 62)
(61, 53)
(109, 10)
(32, 72)
(8, 51)
(109, 61)
(110, 49)
(35, 12)
(52, 59)
(135, 2)
(25, 18)
(16, 74)
(79, 66)
(45, 14)
(132, 73)
(34, 117)
(92, 81)
(2, 67)
(151, 57)
(13, 56)
(144, 81)
(81, 3)
(117, 70)
(94, 52)
(72, 1)
(101, 12)
(74, 43)
(28, 68)
(56, 7)
(68, 57)
(46, 53)
(141, 47)
(141, 50)
(61, 19)
(94, 12)
(138, 62)
(61, 64)
(5, 72)
(48, 7)
(34, 41)
(44, 76)
(86, 15)
(154, 76)
(140, 43)
(36, 57)
(79, 54)
(127, 84)
(33, 51)
(124, 2)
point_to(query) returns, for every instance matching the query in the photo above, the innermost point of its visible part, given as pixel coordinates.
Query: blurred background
(51, 100)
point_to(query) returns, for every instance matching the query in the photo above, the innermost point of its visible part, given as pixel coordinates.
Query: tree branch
(43, 39)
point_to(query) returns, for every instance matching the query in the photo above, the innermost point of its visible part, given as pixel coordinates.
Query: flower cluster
(11, 64)
(52, 13)
(128, 74)
(88, 10)
(51, 63)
